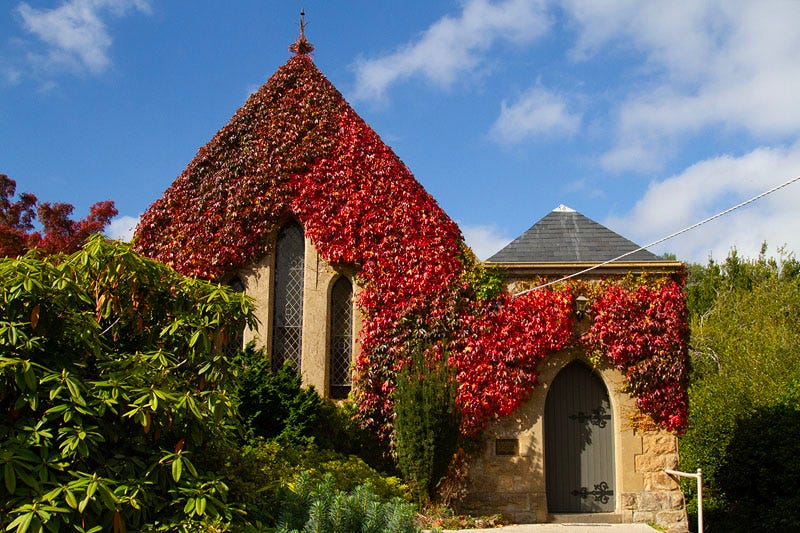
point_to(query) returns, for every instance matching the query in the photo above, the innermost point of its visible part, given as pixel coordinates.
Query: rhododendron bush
(297, 150)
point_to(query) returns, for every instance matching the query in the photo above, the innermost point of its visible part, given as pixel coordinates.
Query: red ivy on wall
(500, 345)
(297, 149)
(644, 332)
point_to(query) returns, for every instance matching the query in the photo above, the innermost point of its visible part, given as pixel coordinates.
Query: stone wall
(515, 485)
(661, 502)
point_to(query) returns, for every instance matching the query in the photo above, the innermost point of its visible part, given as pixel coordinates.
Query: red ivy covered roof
(278, 153)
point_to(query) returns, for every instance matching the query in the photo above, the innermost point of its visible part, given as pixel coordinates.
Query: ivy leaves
(297, 149)
(644, 332)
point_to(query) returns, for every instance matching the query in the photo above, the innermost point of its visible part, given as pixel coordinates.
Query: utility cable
(659, 241)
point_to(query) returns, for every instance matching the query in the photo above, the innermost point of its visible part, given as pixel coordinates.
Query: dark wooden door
(579, 443)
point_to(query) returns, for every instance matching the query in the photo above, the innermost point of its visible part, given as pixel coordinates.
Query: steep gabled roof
(566, 236)
(295, 148)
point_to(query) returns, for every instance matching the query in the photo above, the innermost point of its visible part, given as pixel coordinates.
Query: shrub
(258, 471)
(321, 508)
(426, 424)
(760, 472)
(273, 404)
(746, 372)
(110, 390)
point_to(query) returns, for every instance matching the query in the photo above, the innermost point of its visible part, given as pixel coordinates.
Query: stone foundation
(661, 502)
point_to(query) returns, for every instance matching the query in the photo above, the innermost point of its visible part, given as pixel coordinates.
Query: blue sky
(645, 116)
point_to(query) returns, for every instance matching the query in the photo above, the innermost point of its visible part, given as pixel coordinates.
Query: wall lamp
(581, 305)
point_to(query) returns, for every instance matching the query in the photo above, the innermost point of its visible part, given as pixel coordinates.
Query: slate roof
(566, 236)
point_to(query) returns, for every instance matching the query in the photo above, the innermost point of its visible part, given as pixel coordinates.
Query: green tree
(426, 423)
(745, 348)
(111, 386)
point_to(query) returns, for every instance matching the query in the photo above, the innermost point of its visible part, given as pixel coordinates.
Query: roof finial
(301, 46)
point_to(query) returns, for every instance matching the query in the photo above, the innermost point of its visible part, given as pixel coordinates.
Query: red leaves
(220, 212)
(644, 332)
(297, 148)
(502, 343)
(60, 234)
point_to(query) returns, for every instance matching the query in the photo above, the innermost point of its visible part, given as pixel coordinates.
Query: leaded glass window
(287, 331)
(341, 341)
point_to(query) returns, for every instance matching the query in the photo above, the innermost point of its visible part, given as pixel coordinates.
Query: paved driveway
(567, 528)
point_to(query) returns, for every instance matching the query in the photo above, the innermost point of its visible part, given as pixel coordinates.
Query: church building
(298, 203)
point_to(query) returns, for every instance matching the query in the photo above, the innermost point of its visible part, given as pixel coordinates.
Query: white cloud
(453, 46)
(707, 63)
(122, 228)
(538, 112)
(711, 186)
(485, 241)
(75, 32)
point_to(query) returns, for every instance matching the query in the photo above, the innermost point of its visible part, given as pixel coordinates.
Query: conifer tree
(426, 423)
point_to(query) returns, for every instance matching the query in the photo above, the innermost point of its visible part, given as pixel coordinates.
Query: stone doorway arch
(579, 443)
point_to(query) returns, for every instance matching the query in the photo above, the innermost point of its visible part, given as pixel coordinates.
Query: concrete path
(565, 528)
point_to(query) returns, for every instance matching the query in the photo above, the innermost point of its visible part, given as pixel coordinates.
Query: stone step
(586, 518)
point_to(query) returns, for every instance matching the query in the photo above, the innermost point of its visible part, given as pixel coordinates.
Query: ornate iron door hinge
(601, 492)
(598, 417)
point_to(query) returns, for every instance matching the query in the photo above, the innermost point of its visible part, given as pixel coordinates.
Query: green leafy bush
(110, 390)
(745, 350)
(759, 474)
(259, 471)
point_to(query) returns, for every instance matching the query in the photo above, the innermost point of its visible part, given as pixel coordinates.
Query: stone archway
(579, 443)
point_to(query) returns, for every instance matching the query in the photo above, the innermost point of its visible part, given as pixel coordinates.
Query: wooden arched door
(579, 443)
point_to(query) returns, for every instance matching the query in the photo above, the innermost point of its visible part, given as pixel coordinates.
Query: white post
(699, 500)
(699, 477)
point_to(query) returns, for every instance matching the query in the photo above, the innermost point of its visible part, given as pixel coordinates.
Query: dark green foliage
(110, 391)
(745, 350)
(426, 424)
(340, 430)
(274, 405)
(760, 472)
(319, 507)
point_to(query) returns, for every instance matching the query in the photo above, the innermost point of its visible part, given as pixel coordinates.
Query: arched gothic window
(287, 322)
(341, 338)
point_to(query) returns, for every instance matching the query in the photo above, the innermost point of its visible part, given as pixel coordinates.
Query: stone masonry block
(629, 500)
(653, 501)
(658, 443)
(674, 521)
(660, 480)
(640, 517)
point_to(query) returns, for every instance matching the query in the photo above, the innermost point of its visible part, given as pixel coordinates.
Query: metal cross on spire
(301, 46)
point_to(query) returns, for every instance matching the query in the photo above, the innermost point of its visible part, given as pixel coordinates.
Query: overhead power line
(659, 241)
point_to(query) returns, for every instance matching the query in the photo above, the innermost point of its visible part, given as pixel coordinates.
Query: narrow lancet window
(287, 336)
(341, 341)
